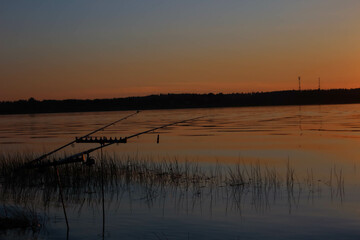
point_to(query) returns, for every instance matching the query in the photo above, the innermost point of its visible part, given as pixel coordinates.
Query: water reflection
(299, 162)
(235, 129)
(165, 188)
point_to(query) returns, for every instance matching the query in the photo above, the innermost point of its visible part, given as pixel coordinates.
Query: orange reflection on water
(308, 136)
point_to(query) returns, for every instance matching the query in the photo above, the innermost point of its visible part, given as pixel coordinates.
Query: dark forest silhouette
(175, 101)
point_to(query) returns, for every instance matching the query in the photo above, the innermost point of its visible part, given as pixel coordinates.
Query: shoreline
(184, 101)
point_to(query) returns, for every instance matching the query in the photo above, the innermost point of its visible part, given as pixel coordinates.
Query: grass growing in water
(152, 180)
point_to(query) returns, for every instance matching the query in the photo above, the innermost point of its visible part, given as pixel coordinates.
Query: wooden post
(62, 199)
(102, 193)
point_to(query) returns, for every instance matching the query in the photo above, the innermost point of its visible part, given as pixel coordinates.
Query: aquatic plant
(148, 180)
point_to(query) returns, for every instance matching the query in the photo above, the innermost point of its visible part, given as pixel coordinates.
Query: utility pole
(299, 78)
(319, 85)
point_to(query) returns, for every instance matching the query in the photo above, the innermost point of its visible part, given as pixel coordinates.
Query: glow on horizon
(92, 49)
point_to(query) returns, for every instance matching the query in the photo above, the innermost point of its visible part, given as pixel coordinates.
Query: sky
(108, 49)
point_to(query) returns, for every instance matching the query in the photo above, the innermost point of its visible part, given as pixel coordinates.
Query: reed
(155, 179)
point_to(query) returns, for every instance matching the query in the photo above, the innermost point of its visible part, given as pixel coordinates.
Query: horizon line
(184, 93)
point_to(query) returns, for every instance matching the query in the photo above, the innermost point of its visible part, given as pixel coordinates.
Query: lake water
(319, 143)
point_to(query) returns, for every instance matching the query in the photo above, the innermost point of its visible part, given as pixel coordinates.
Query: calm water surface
(319, 142)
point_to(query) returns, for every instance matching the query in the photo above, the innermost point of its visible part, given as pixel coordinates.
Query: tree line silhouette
(176, 101)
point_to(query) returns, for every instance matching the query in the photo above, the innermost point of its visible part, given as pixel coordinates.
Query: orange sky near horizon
(102, 50)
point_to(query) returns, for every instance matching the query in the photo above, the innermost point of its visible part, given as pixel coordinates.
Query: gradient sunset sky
(105, 49)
